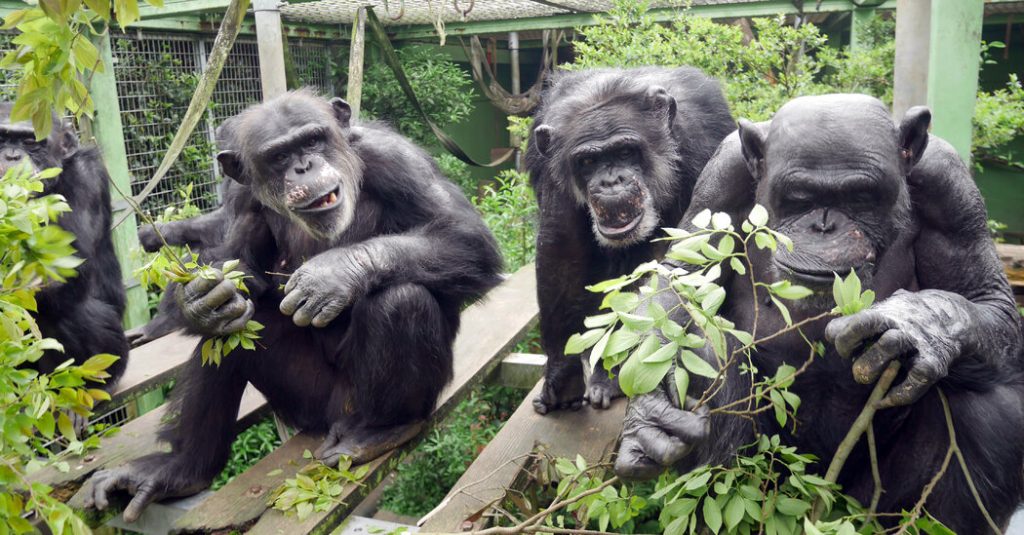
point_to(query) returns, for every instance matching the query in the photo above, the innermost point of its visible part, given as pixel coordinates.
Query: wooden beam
(354, 92)
(519, 370)
(489, 328)
(152, 365)
(587, 432)
(913, 35)
(109, 136)
(273, 79)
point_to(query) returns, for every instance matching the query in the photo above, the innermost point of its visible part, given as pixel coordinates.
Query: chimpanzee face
(294, 154)
(616, 160)
(18, 144)
(832, 171)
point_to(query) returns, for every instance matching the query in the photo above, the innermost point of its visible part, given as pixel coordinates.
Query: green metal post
(859, 19)
(107, 129)
(953, 69)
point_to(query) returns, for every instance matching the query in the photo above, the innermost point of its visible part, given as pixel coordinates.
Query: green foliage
(248, 448)
(998, 120)
(34, 407)
(316, 487)
(457, 171)
(438, 462)
(442, 87)
(510, 211)
(54, 54)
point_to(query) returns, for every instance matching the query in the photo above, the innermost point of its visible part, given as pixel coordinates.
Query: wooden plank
(136, 439)
(519, 370)
(153, 364)
(588, 432)
(489, 329)
(1013, 262)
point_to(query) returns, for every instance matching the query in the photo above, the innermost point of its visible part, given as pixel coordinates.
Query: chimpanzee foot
(602, 390)
(364, 444)
(147, 480)
(560, 393)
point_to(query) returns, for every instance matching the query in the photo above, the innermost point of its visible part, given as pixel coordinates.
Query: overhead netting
(412, 12)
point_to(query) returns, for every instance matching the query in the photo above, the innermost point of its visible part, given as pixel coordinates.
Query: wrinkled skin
(360, 256)
(613, 154)
(900, 208)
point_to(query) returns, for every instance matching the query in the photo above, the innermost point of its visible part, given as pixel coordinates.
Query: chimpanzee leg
(989, 431)
(398, 353)
(206, 400)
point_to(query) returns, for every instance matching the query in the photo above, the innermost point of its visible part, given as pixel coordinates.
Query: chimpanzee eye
(586, 161)
(280, 157)
(312, 142)
(625, 152)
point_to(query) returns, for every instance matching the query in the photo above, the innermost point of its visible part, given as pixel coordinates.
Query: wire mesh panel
(239, 83)
(314, 63)
(156, 77)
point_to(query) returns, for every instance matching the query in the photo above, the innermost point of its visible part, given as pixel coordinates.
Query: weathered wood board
(153, 364)
(588, 432)
(489, 328)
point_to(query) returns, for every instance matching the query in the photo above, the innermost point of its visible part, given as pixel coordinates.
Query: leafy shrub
(509, 210)
(248, 448)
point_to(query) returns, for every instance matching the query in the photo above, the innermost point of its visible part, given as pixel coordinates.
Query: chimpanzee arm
(196, 232)
(962, 323)
(452, 255)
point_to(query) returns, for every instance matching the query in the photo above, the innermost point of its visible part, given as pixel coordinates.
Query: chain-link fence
(156, 76)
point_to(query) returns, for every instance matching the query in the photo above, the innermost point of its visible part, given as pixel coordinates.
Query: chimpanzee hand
(657, 434)
(323, 286)
(149, 239)
(927, 329)
(213, 306)
(148, 480)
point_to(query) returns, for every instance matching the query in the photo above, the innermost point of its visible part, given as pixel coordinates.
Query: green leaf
(737, 266)
(45, 424)
(601, 320)
(665, 353)
(682, 381)
(726, 245)
(791, 291)
(623, 301)
(713, 300)
(636, 376)
(791, 506)
(702, 219)
(712, 515)
(579, 342)
(64, 424)
(686, 255)
(621, 340)
(636, 322)
(721, 221)
(758, 216)
(598, 350)
(696, 365)
(782, 310)
(734, 512)
(779, 406)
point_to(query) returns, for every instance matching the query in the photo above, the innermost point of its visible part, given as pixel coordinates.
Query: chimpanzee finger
(144, 495)
(293, 298)
(304, 315)
(688, 426)
(660, 446)
(870, 365)
(239, 323)
(850, 332)
(103, 483)
(223, 292)
(200, 286)
(293, 280)
(632, 464)
(923, 374)
(328, 312)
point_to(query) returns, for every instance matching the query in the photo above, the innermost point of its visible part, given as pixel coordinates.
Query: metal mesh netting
(430, 11)
(156, 76)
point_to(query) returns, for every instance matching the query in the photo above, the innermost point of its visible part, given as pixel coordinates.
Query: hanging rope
(391, 59)
(512, 104)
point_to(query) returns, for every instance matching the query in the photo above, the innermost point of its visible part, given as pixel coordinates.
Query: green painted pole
(953, 63)
(107, 129)
(859, 19)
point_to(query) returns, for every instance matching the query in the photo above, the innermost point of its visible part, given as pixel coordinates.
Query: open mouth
(620, 231)
(324, 202)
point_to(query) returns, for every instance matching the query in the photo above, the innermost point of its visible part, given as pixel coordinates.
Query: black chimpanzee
(83, 314)
(376, 253)
(614, 153)
(856, 192)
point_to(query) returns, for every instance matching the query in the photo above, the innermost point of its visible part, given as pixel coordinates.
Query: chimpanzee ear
(913, 137)
(68, 139)
(542, 138)
(342, 111)
(231, 165)
(658, 99)
(752, 145)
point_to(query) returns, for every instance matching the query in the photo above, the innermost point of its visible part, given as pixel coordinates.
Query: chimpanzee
(83, 314)
(614, 153)
(359, 239)
(896, 205)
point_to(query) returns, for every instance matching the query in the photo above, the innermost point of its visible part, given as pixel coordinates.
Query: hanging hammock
(512, 104)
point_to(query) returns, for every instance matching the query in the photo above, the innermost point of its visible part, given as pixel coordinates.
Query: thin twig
(530, 525)
(876, 496)
(963, 462)
(862, 422)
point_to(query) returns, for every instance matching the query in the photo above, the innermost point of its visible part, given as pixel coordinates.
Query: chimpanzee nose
(304, 164)
(613, 179)
(824, 226)
(11, 155)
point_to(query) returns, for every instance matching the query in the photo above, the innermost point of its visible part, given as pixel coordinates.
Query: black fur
(84, 314)
(900, 207)
(672, 120)
(414, 253)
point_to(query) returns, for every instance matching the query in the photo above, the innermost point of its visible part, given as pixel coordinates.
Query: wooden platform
(489, 329)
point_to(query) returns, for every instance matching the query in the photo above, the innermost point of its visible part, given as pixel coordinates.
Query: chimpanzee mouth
(812, 273)
(615, 232)
(322, 203)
